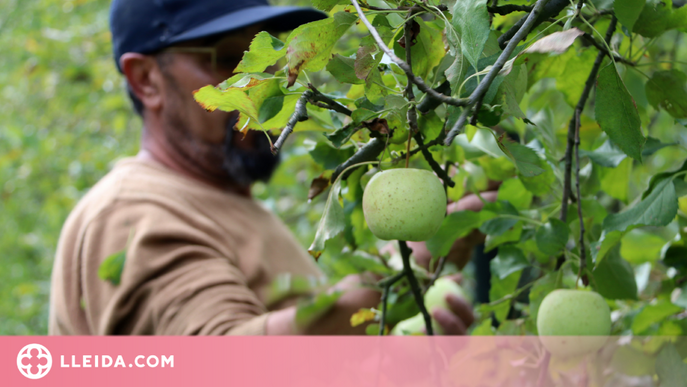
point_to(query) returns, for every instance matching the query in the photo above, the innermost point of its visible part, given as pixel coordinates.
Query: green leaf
(514, 191)
(657, 209)
(627, 11)
(513, 89)
(570, 70)
(330, 157)
(499, 225)
(343, 69)
(681, 300)
(652, 314)
(659, 177)
(501, 288)
(607, 155)
(639, 246)
(508, 260)
(309, 46)
(471, 21)
(485, 328)
(374, 87)
(653, 145)
(333, 221)
(671, 370)
(541, 184)
(455, 225)
(430, 124)
(327, 5)
(308, 311)
(614, 277)
(111, 268)
(541, 288)
(361, 114)
(607, 241)
(497, 169)
(668, 90)
(616, 113)
(428, 50)
(341, 136)
(270, 108)
(265, 50)
(615, 181)
(552, 236)
(654, 19)
(512, 235)
(524, 158)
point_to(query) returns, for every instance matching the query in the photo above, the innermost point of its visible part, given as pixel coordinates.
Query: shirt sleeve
(175, 279)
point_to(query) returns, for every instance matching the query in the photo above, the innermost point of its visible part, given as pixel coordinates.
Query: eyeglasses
(221, 62)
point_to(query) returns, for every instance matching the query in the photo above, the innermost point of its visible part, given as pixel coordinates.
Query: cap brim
(278, 19)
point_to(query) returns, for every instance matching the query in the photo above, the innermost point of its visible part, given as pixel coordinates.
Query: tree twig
(436, 275)
(404, 66)
(386, 284)
(328, 102)
(432, 163)
(553, 8)
(411, 115)
(483, 87)
(367, 152)
(583, 252)
(591, 80)
(300, 114)
(589, 38)
(414, 286)
(571, 127)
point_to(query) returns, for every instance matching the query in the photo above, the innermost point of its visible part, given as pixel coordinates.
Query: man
(200, 252)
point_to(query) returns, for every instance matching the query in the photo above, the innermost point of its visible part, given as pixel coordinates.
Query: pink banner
(331, 361)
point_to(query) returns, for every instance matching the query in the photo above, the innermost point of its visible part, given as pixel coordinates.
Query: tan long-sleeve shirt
(199, 260)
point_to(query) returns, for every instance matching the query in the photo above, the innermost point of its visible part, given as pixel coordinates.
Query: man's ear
(145, 79)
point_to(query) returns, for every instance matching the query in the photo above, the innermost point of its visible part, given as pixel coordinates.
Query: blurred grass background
(64, 121)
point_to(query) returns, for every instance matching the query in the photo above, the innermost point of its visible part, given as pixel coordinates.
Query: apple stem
(414, 286)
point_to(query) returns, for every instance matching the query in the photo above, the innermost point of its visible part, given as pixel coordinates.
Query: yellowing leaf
(362, 316)
(211, 99)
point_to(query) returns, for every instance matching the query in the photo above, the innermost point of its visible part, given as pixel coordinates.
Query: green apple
(434, 298)
(573, 322)
(436, 295)
(405, 204)
(411, 326)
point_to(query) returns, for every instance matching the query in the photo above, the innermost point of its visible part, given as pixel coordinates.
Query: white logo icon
(34, 361)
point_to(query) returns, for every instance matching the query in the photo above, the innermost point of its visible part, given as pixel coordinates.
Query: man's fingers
(450, 323)
(461, 308)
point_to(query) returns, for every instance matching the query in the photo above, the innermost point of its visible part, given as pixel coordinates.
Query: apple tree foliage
(577, 108)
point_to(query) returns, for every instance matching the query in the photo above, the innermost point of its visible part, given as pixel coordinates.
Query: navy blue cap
(146, 26)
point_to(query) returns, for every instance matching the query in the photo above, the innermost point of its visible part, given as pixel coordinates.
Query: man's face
(208, 139)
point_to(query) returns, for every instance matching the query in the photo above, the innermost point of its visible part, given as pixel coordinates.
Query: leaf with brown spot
(310, 45)
(414, 32)
(378, 125)
(318, 185)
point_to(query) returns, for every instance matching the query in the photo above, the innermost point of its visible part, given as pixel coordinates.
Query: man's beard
(224, 161)
(247, 166)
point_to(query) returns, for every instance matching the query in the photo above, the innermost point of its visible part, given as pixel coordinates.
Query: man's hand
(461, 251)
(458, 317)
